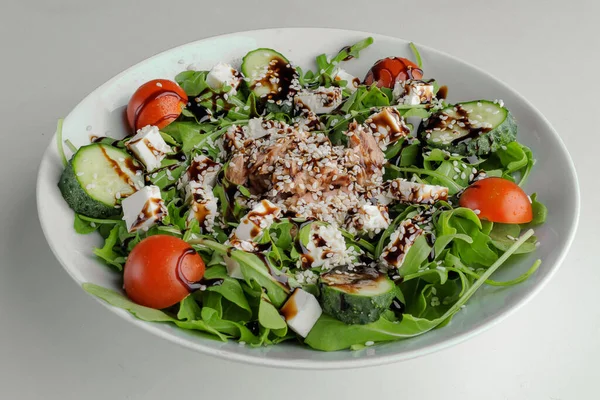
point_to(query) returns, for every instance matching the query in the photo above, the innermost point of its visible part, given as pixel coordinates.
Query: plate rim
(334, 364)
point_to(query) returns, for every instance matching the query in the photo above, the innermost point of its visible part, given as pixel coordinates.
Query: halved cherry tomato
(498, 200)
(157, 102)
(161, 270)
(389, 70)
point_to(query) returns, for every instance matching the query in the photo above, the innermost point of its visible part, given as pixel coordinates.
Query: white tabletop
(58, 343)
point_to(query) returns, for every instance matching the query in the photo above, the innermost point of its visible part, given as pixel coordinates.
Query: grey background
(57, 343)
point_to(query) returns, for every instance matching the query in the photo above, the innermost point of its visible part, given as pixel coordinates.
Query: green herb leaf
(107, 253)
(418, 60)
(192, 82)
(268, 316)
(83, 227)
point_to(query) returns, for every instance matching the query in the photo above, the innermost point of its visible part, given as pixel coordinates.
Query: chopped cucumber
(272, 79)
(97, 176)
(472, 128)
(357, 296)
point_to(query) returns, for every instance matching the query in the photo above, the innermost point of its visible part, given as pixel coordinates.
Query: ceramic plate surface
(553, 178)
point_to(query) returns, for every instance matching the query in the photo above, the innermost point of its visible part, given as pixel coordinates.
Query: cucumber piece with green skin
(357, 296)
(96, 177)
(272, 78)
(471, 128)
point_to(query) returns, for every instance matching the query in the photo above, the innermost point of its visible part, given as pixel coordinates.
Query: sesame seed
(477, 211)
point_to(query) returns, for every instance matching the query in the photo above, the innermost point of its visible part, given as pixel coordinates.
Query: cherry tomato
(498, 200)
(389, 70)
(161, 270)
(158, 102)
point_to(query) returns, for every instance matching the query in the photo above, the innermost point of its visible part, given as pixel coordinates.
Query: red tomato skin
(498, 200)
(157, 102)
(387, 71)
(152, 271)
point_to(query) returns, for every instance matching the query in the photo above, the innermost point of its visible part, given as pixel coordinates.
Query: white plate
(553, 178)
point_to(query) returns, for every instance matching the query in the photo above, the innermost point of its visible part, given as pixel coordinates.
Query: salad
(267, 203)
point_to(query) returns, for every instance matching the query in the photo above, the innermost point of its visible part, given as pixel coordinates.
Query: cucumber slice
(97, 176)
(471, 128)
(272, 79)
(357, 296)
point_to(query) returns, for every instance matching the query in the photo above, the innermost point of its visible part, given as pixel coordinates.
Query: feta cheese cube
(326, 248)
(370, 219)
(143, 209)
(149, 147)
(301, 312)
(413, 92)
(202, 170)
(253, 224)
(256, 130)
(413, 192)
(222, 75)
(203, 205)
(234, 269)
(400, 242)
(388, 126)
(352, 82)
(320, 101)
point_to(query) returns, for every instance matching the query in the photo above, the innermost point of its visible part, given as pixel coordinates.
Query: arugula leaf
(120, 301)
(231, 328)
(83, 227)
(253, 269)
(192, 82)
(465, 221)
(410, 154)
(444, 240)
(540, 212)
(416, 255)
(268, 316)
(504, 235)
(330, 334)
(230, 289)
(189, 310)
(107, 253)
(419, 62)
(185, 132)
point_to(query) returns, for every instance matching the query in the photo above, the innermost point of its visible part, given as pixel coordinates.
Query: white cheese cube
(143, 209)
(320, 101)
(222, 75)
(370, 219)
(352, 82)
(149, 147)
(388, 126)
(413, 192)
(256, 130)
(400, 242)
(202, 170)
(326, 248)
(301, 312)
(234, 269)
(253, 224)
(203, 205)
(413, 92)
